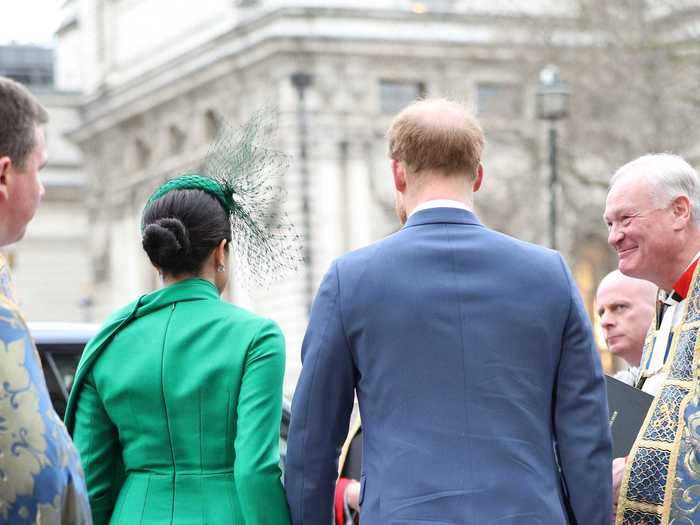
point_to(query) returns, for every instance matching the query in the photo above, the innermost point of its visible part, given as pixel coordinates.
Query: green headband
(192, 181)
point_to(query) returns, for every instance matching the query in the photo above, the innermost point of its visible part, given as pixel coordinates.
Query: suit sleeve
(97, 441)
(256, 470)
(581, 419)
(321, 409)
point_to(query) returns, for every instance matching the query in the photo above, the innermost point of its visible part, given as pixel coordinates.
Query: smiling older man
(652, 212)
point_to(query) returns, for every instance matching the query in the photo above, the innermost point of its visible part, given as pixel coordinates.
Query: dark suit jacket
(472, 356)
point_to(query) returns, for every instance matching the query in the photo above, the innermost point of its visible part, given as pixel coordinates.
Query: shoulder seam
(568, 282)
(340, 309)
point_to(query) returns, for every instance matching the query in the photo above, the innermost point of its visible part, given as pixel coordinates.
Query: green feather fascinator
(246, 175)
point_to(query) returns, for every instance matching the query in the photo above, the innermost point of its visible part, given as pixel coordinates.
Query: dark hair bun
(182, 228)
(166, 242)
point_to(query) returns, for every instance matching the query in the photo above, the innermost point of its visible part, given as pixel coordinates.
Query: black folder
(628, 407)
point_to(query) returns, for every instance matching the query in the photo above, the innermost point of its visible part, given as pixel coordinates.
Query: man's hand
(618, 471)
(352, 495)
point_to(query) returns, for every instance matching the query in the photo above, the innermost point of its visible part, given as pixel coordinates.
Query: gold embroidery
(665, 417)
(696, 302)
(22, 443)
(24, 429)
(653, 455)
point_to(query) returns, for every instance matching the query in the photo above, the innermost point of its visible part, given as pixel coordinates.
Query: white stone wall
(50, 265)
(69, 55)
(216, 57)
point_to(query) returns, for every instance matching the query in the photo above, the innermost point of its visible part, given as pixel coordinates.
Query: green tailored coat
(175, 411)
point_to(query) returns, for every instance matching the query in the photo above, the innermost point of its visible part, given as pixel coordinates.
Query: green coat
(175, 411)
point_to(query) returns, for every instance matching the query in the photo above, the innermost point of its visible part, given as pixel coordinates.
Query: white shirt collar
(439, 203)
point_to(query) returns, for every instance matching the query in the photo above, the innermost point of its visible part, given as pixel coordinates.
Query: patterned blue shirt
(41, 480)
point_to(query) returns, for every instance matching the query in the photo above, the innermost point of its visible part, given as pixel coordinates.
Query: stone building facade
(336, 70)
(49, 263)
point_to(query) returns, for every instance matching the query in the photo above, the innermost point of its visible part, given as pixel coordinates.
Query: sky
(29, 21)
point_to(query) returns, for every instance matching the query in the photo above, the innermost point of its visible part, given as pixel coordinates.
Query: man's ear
(681, 208)
(479, 178)
(5, 166)
(399, 175)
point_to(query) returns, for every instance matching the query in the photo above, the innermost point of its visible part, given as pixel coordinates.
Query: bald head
(436, 135)
(626, 309)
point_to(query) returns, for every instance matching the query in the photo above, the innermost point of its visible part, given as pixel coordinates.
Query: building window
(394, 96)
(100, 265)
(176, 139)
(212, 124)
(498, 100)
(142, 154)
(28, 64)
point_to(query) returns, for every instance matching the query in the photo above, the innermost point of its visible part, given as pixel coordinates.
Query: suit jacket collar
(442, 216)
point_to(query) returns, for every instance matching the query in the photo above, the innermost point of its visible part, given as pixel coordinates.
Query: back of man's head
(20, 113)
(436, 135)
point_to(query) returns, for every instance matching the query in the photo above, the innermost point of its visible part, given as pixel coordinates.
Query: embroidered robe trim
(661, 484)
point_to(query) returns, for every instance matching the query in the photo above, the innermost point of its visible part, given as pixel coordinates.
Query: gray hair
(669, 176)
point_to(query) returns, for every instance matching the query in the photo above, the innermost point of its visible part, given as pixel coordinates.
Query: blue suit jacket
(473, 360)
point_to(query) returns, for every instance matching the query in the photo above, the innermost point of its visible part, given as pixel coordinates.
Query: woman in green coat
(176, 405)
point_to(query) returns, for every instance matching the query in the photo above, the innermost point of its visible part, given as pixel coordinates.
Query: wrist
(352, 495)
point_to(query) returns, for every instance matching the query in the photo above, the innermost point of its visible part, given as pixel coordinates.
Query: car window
(59, 362)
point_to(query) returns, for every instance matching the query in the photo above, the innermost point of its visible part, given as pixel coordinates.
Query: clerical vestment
(661, 485)
(41, 480)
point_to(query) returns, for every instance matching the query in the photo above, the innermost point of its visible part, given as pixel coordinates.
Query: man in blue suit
(471, 355)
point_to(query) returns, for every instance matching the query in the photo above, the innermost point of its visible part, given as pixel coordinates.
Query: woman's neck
(172, 279)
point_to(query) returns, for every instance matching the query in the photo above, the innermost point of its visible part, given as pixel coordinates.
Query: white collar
(439, 203)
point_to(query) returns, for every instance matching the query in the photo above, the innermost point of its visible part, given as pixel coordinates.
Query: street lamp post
(301, 82)
(552, 106)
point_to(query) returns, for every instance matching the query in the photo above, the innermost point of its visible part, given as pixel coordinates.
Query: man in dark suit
(471, 355)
